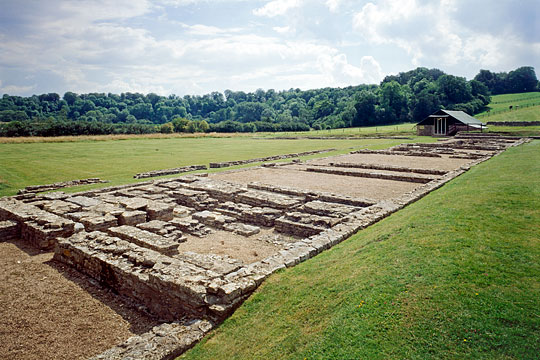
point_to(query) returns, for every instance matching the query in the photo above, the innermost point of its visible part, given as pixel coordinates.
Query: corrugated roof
(463, 117)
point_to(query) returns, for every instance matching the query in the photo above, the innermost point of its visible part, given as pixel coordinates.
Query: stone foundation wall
(172, 171)
(59, 185)
(388, 168)
(9, 230)
(422, 179)
(268, 158)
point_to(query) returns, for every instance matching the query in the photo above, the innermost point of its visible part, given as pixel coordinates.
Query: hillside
(500, 104)
(454, 275)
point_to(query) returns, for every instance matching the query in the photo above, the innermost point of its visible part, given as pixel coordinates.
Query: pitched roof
(463, 117)
(458, 115)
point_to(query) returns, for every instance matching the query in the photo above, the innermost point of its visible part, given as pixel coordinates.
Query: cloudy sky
(198, 46)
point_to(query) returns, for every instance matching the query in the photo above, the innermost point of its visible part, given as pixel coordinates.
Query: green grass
(405, 129)
(531, 113)
(455, 275)
(23, 164)
(500, 103)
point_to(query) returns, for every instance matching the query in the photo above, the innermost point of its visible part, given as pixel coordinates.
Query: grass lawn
(455, 275)
(500, 105)
(405, 129)
(23, 164)
(523, 114)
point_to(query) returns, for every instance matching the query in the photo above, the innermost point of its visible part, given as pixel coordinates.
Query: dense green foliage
(452, 276)
(405, 97)
(521, 80)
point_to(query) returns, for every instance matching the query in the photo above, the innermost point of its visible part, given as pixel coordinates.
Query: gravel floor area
(442, 163)
(49, 311)
(248, 249)
(376, 189)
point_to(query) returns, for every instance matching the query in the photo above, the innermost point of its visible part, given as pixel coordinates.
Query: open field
(531, 113)
(405, 129)
(500, 105)
(454, 275)
(23, 164)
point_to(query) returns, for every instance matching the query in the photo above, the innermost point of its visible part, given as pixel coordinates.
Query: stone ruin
(55, 186)
(268, 158)
(128, 237)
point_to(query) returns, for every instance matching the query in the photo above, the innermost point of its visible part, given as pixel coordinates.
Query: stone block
(98, 222)
(145, 239)
(83, 201)
(132, 217)
(9, 230)
(157, 210)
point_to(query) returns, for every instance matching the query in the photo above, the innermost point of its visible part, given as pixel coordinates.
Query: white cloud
(144, 45)
(333, 5)
(205, 30)
(277, 7)
(339, 72)
(283, 29)
(15, 89)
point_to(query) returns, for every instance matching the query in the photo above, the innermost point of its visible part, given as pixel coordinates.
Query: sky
(198, 46)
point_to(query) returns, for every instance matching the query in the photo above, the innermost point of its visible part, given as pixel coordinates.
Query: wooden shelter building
(448, 123)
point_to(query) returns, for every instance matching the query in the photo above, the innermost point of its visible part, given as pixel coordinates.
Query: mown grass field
(531, 113)
(455, 275)
(500, 106)
(23, 163)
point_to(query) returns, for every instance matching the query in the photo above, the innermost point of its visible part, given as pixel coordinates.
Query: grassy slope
(23, 164)
(500, 103)
(454, 275)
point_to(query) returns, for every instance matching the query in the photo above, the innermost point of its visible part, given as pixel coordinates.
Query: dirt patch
(49, 311)
(345, 185)
(248, 249)
(442, 163)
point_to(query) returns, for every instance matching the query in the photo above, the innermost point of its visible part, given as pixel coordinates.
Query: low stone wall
(59, 185)
(389, 152)
(388, 168)
(314, 195)
(422, 179)
(40, 228)
(268, 158)
(163, 342)
(172, 171)
(169, 287)
(9, 230)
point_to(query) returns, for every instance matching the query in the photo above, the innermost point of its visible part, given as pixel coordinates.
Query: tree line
(406, 97)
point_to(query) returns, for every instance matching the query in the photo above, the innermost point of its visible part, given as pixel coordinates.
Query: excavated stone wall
(172, 171)
(60, 185)
(128, 238)
(268, 158)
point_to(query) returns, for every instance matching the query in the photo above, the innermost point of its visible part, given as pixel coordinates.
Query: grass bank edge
(454, 275)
